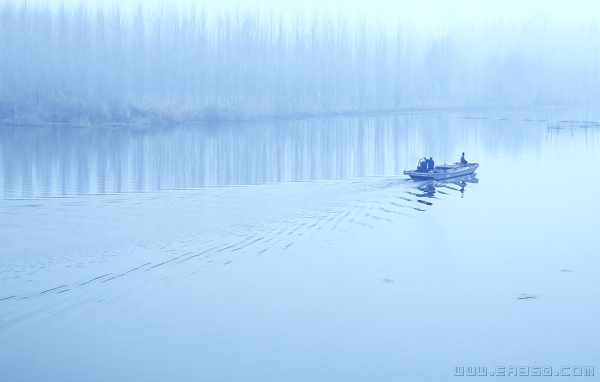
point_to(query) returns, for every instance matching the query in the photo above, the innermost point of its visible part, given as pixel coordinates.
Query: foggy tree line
(87, 65)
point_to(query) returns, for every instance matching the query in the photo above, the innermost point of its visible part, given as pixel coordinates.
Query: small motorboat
(444, 171)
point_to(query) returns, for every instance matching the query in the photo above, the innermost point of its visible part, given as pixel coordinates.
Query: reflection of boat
(444, 171)
(428, 190)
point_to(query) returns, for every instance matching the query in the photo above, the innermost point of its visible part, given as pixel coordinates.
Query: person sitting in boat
(462, 159)
(430, 164)
(422, 165)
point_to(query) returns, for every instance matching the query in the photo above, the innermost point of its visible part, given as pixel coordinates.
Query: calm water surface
(111, 233)
(56, 161)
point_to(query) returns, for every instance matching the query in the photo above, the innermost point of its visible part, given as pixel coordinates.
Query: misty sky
(424, 15)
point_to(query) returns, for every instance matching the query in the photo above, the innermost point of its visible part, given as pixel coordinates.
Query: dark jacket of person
(430, 164)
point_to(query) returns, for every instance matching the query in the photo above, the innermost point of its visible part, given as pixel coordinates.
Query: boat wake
(200, 230)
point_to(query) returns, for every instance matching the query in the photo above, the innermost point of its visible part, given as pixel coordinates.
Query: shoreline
(35, 122)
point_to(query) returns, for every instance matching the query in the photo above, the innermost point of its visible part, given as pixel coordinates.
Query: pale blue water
(68, 160)
(118, 243)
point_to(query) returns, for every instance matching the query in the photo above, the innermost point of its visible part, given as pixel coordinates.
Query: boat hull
(444, 172)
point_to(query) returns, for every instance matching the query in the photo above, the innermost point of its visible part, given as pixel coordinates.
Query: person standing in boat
(430, 164)
(462, 159)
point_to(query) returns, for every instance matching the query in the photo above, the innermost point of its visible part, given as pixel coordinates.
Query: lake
(296, 250)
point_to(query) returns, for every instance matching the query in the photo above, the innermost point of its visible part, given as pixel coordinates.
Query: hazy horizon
(195, 61)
